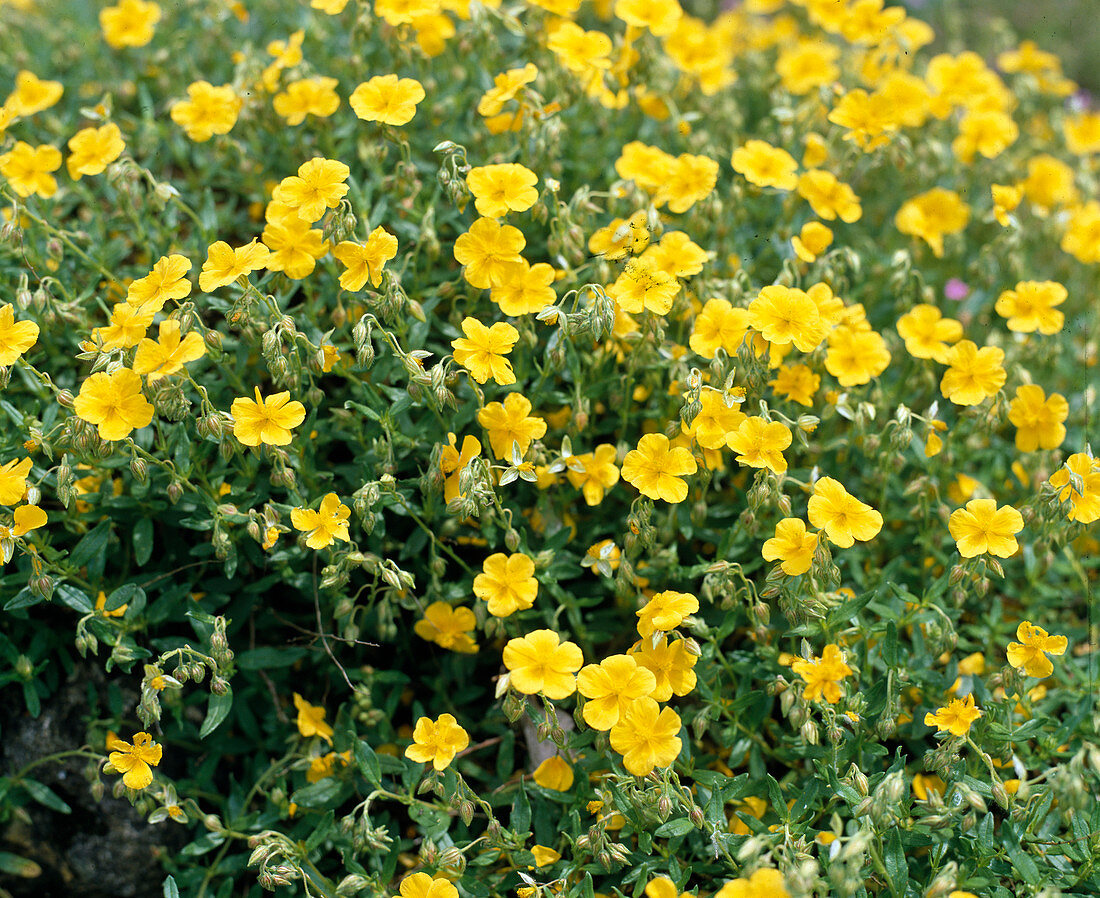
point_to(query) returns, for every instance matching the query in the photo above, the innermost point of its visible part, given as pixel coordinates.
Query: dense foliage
(555, 448)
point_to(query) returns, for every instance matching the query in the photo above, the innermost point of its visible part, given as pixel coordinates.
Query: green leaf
(893, 858)
(849, 609)
(171, 890)
(122, 596)
(270, 656)
(93, 544)
(890, 645)
(73, 598)
(367, 762)
(681, 826)
(19, 866)
(1021, 861)
(44, 795)
(216, 712)
(143, 543)
(319, 795)
(520, 821)
(23, 599)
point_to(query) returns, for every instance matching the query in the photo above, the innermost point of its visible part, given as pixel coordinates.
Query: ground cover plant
(550, 449)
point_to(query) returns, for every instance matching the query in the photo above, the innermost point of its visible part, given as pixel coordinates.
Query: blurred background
(1069, 28)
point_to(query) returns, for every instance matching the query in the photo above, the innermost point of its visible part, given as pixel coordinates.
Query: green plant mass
(546, 449)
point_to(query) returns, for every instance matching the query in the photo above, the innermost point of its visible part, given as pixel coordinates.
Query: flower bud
(65, 398)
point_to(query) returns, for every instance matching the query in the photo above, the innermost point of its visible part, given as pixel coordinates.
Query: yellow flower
(324, 526)
(986, 131)
(594, 473)
(307, 96)
(927, 333)
(659, 16)
(525, 288)
(28, 169)
(719, 326)
(811, 241)
(168, 353)
(1030, 307)
(932, 215)
(807, 65)
(487, 250)
(32, 94)
(387, 99)
(955, 717)
(127, 327)
(670, 663)
(311, 720)
(13, 480)
(507, 583)
(27, 518)
(759, 444)
(324, 766)
(448, 627)
(114, 403)
(829, 198)
(1006, 198)
(421, 885)
(610, 687)
(1030, 653)
(555, 773)
(365, 262)
(690, 178)
(786, 315)
(665, 611)
(1084, 504)
(16, 337)
(540, 662)
(224, 264)
(544, 856)
(266, 420)
(1038, 420)
(130, 24)
(974, 374)
(856, 356)
(208, 110)
(641, 285)
(509, 422)
(134, 762)
(482, 352)
(792, 545)
(842, 516)
(823, 675)
(765, 165)
(764, 883)
(500, 189)
(452, 461)
(295, 246)
(437, 741)
(645, 736)
(91, 150)
(319, 185)
(166, 281)
(797, 383)
(983, 528)
(656, 469)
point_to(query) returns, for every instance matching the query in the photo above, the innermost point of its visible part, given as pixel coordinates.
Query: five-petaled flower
(324, 526)
(437, 741)
(134, 762)
(267, 419)
(1030, 653)
(955, 717)
(983, 528)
